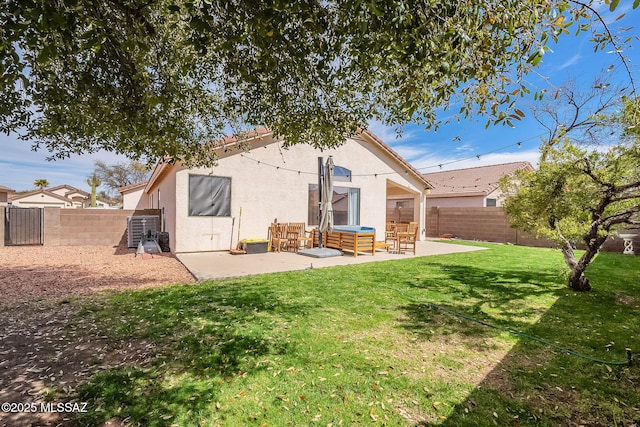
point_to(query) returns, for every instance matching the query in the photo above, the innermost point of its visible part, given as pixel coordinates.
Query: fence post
(3, 215)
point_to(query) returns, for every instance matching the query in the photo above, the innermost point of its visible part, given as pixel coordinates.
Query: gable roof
(132, 187)
(262, 133)
(70, 189)
(6, 189)
(385, 147)
(44, 192)
(471, 181)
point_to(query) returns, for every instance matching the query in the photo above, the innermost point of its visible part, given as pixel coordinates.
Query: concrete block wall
(88, 227)
(485, 224)
(492, 225)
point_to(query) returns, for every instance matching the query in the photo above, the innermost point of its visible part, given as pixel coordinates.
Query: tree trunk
(577, 280)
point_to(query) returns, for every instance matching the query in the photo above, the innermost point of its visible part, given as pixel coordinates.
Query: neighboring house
(132, 194)
(4, 195)
(61, 196)
(472, 187)
(208, 209)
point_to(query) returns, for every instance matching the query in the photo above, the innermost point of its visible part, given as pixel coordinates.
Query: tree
(41, 183)
(94, 182)
(581, 192)
(156, 78)
(120, 174)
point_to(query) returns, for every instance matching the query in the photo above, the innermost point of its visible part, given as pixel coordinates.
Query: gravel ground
(45, 347)
(31, 273)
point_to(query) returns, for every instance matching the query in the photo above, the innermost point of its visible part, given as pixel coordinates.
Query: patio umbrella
(326, 209)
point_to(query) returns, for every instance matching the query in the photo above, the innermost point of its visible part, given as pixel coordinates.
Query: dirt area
(42, 359)
(44, 272)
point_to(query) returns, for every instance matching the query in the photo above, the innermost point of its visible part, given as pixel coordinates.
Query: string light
(421, 169)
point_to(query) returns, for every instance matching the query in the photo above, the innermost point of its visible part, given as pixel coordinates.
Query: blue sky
(455, 146)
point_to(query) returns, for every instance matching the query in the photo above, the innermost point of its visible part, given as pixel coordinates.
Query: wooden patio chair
(407, 239)
(390, 234)
(299, 236)
(278, 231)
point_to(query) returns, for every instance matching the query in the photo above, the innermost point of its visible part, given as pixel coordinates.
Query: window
(341, 174)
(346, 205)
(491, 203)
(209, 195)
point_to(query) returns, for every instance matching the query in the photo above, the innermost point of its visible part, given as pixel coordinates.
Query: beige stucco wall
(277, 189)
(41, 200)
(167, 201)
(134, 199)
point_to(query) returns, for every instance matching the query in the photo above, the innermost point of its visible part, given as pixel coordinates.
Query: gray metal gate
(23, 226)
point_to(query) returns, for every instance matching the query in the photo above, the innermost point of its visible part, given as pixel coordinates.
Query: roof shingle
(480, 180)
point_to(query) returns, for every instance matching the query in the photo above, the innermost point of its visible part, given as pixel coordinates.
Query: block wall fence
(85, 227)
(492, 225)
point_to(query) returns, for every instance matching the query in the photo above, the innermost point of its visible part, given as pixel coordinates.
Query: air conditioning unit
(140, 226)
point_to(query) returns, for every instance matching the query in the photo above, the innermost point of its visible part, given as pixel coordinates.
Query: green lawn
(368, 345)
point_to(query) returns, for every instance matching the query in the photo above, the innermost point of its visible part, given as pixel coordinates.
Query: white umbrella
(326, 208)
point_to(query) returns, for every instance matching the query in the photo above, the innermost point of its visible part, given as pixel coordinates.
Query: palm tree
(41, 183)
(94, 183)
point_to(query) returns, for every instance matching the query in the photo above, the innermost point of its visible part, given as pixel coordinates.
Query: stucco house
(4, 195)
(471, 187)
(209, 209)
(62, 196)
(131, 194)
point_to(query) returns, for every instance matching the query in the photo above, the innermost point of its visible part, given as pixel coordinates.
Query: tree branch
(616, 48)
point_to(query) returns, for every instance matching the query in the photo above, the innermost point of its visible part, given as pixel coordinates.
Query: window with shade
(209, 195)
(345, 201)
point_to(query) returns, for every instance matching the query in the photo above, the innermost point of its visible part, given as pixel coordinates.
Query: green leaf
(535, 58)
(613, 5)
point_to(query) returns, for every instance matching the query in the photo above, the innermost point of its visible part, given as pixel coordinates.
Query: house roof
(132, 187)
(398, 157)
(262, 132)
(6, 189)
(71, 189)
(471, 181)
(44, 192)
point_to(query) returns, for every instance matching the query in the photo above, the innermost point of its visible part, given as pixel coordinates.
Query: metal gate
(23, 226)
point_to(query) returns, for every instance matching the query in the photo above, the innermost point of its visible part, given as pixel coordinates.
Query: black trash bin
(163, 241)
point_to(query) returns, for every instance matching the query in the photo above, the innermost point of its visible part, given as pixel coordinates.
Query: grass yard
(364, 345)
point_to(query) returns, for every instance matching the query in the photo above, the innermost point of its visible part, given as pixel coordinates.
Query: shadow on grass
(484, 294)
(539, 385)
(204, 337)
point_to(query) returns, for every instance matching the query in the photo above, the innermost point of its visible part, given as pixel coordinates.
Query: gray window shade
(209, 195)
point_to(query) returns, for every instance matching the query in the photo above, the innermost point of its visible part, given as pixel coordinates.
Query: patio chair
(407, 239)
(278, 231)
(390, 234)
(299, 236)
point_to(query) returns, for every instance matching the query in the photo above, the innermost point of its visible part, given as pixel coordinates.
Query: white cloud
(389, 134)
(464, 148)
(571, 61)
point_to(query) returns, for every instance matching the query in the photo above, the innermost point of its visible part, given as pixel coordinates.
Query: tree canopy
(585, 188)
(119, 175)
(156, 78)
(41, 183)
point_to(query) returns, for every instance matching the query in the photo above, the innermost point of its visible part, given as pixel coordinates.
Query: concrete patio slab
(220, 265)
